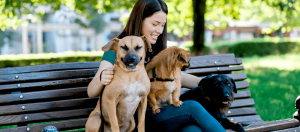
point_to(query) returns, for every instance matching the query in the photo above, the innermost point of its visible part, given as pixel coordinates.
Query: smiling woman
(153, 26)
(149, 18)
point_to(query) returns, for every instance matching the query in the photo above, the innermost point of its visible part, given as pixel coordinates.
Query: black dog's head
(218, 89)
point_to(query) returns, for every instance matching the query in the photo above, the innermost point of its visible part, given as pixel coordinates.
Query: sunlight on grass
(281, 62)
(274, 84)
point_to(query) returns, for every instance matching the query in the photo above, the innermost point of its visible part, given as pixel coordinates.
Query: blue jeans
(189, 117)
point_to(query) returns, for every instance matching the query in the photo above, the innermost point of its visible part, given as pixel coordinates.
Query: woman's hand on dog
(107, 76)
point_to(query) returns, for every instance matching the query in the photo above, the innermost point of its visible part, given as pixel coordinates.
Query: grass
(274, 84)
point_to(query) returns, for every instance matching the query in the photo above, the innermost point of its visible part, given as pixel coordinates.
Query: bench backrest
(241, 109)
(53, 93)
(57, 93)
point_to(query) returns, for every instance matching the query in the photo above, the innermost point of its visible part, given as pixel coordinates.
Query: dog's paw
(156, 111)
(177, 104)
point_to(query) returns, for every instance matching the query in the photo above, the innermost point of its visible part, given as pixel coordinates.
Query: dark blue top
(110, 56)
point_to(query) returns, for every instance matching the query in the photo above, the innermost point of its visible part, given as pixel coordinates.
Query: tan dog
(128, 89)
(168, 65)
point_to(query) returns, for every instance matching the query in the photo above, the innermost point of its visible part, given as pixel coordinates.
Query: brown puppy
(128, 89)
(165, 81)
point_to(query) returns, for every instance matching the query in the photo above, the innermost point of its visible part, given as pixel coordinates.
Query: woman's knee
(193, 106)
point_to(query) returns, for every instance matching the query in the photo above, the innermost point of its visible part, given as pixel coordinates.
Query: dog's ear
(147, 43)
(183, 55)
(111, 45)
(180, 56)
(234, 86)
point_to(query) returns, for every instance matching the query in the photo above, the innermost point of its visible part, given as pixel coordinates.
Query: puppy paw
(177, 104)
(156, 111)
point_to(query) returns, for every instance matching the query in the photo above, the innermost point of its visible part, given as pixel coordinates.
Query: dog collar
(158, 79)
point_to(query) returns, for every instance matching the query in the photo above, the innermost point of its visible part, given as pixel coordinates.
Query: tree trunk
(199, 25)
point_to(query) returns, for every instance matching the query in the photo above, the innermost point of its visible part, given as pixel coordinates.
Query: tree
(283, 14)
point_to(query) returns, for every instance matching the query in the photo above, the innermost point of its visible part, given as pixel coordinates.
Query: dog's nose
(226, 96)
(131, 58)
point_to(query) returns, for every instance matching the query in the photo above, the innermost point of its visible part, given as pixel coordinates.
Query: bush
(46, 58)
(259, 48)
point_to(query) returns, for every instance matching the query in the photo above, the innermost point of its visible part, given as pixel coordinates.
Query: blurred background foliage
(284, 14)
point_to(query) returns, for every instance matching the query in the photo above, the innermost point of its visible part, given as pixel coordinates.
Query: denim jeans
(190, 116)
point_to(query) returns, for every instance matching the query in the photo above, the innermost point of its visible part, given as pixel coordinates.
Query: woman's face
(153, 26)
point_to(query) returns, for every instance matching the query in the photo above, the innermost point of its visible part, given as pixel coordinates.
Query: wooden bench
(57, 94)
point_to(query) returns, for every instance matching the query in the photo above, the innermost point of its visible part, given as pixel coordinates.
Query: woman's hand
(106, 76)
(97, 84)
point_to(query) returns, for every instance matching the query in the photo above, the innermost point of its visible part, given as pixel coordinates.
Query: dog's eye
(124, 47)
(182, 59)
(138, 47)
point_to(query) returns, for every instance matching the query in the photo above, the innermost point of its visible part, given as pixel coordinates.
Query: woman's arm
(189, 81)
(95, 86)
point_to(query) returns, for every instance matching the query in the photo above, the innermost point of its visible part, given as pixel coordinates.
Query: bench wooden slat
(273, 125)
(245, 118)
(239, 85)
(294, 129)
(53, 75)
(212, 57)
(49, 67)
(55, 83)
(239, 94)
(214, 69)
(38, 96)
(214, 63)
(241, 111)
(234, 76)
(237, 76)
(242, 103)
(242, 94)
(45, 116)
(61, 125)
(45, 84)
(242, 84)
(47, 106)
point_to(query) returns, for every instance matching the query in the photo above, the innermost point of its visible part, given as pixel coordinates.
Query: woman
(148, 18)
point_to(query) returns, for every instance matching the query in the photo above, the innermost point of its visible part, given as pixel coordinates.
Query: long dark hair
(141, 10)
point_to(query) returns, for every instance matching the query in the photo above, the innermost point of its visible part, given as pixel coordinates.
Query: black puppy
(215, 94)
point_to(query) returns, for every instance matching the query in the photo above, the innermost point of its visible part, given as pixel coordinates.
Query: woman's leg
(173, 118)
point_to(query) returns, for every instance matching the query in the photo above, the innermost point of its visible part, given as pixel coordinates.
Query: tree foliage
(282, 14)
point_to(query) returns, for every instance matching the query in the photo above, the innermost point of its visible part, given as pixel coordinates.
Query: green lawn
(274, 84)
